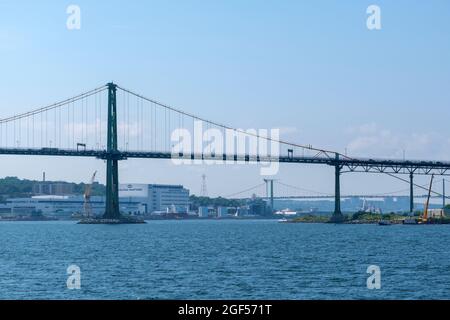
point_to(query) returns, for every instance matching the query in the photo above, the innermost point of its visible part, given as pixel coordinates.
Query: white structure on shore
(222, 212)
(156, 197)
(135, 199)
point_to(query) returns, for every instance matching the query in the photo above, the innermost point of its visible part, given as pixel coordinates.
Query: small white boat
(283, 220)
(286, 212)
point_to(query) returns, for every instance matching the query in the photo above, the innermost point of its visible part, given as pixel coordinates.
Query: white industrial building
(136, 199)
(62, 206)
(157, 197)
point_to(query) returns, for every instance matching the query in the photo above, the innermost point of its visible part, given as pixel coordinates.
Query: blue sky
(311, 68)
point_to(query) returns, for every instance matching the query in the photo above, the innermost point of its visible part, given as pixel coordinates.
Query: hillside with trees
(13, 187)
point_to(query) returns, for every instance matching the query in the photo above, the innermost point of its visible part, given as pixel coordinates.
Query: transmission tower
(204, 190)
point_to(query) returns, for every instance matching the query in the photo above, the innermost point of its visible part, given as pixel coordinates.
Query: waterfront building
(157, 197)
(242, 211)
(62, 206)
(222, 212)
(203, 212)
(134, 199)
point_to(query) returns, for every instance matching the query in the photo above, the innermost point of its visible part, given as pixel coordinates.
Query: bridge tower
(337, 214)
(269, 188)
(112, 158)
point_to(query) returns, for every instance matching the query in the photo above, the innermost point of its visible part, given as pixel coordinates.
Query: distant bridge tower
(204, 190)
(269, 192)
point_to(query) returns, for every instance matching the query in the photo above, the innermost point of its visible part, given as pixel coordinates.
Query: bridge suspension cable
(302, 189)
(54, 105)
(327, 153)
(68, 124)
(245, 191)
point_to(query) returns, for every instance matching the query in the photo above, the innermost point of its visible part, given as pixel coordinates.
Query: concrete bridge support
(337, 216)
(411, 192)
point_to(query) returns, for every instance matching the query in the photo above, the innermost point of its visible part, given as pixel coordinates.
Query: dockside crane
(424, 218)
(87, 197)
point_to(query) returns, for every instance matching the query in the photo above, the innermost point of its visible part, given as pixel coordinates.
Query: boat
(283, 220)
(286, 212)
(384, 223)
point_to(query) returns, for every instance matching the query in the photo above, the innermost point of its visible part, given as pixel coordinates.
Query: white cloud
(288, 130)
(372, 140)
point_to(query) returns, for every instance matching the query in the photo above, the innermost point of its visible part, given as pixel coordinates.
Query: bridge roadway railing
(351, 164)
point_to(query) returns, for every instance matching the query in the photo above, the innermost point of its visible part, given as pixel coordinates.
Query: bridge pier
(443, 194)
(112, 190)
(337, 216)
(411, 192)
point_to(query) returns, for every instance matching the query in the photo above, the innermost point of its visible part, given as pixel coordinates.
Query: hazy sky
(311, 68)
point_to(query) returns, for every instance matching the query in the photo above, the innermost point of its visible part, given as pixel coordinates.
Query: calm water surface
(223, 260)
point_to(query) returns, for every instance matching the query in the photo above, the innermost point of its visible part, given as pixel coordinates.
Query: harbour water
(210, 259)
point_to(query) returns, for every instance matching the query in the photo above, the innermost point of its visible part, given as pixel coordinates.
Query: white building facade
(135, 199)
(156, 197)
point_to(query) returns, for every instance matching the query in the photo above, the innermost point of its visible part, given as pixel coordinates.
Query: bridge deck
(352, 164)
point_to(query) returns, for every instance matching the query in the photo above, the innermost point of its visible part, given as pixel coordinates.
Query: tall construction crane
(427, 203)
(87, 197)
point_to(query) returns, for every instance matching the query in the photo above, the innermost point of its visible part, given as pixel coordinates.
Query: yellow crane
(424, 218)
(87, 197)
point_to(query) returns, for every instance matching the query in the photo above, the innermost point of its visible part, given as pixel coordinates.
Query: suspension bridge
(274, 189)
(125, 125)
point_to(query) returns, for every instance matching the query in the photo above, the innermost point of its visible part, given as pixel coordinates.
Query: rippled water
(223, 260)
